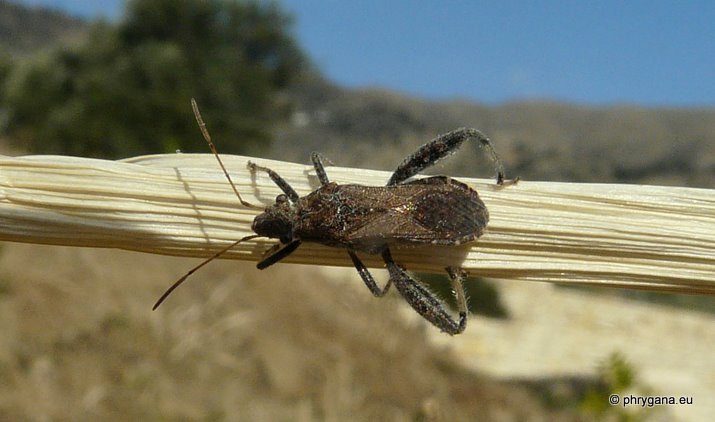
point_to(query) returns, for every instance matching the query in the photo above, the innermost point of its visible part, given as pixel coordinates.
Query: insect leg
(456, 277)
(278, 180)
(438, 148)
(367, 277)
(317, 160)
(422, 300)
(278, 255)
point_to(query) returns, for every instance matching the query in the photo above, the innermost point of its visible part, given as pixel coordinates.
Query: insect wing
(449, 209)
(435, 210)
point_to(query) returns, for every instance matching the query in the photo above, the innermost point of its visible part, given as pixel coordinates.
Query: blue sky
(653, 53)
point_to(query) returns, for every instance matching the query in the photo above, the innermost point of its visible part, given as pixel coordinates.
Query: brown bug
(435, 210)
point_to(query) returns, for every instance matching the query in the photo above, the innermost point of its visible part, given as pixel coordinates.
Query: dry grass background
(78, 341)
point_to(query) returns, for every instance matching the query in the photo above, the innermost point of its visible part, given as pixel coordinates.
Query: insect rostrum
(435, 210)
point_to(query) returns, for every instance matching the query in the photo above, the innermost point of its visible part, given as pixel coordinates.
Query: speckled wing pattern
(454, 214)
(434, 210)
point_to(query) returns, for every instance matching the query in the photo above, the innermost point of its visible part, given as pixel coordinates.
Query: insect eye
(281, 199)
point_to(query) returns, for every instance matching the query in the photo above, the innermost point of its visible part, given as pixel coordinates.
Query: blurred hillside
(24, 30)
(537, 140)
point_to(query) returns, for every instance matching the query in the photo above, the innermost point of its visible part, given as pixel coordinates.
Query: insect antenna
(178, 282)
(207, 137)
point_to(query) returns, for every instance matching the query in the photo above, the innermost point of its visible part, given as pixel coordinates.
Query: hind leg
(438, 148)
(424, 302)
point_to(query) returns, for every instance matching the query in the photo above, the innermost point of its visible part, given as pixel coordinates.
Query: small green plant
(616, 377)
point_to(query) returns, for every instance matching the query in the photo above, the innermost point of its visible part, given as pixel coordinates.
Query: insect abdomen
(454, 213)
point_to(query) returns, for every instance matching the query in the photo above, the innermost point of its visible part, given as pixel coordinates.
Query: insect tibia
(440, 147)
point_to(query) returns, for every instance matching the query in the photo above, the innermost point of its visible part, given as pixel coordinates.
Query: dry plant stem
(647, 237)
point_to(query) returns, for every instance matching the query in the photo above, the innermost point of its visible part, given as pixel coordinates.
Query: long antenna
(178, 282)
(206, 135)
